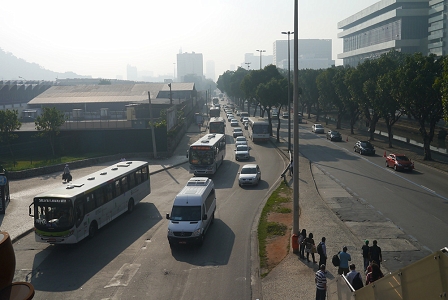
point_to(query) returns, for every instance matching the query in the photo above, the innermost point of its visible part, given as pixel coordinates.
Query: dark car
(364, 148)
(399, 162)
(334, 136)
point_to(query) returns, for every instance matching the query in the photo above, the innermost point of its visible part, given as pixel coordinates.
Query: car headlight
(197, 232)
(170, 232)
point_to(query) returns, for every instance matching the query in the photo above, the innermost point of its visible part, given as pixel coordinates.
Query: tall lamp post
(171, 96)
(261, 51)
(289, 91)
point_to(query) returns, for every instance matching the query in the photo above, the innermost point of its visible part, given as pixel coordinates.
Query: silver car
(317, 128)
(249, 175)
(242, 152)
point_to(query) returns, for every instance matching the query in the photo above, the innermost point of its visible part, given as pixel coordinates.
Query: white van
(192, 213)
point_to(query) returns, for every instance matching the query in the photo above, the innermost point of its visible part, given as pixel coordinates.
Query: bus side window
(90, 203)
(124, 184)
(108, 192)
(79, 211)
(132, 182)
(117, 188)
(99, 197)
(145, 173)
(138, 176)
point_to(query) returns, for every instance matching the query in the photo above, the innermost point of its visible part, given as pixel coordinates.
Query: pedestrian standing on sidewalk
(309, 243)
(344, 257)
(321, 283)
(375, 254)
(322, 251)
(354, 277)
(366, 254)
(302, 237)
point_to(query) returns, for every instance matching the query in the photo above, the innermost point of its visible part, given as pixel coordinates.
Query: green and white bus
(73, 211)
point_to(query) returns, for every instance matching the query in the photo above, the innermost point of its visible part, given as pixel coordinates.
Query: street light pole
(171, 96)
(289, 91)
(261, 51)
(296, 123)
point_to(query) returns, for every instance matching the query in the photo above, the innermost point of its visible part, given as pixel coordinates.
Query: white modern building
(388, 24)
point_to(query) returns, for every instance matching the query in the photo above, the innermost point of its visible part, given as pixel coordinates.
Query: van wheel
(92, 229)
(131, 205)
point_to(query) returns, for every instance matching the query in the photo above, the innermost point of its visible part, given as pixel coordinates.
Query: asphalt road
(131, 258)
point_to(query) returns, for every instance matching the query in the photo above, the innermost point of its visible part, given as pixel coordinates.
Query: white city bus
(258, 129)
(217, 125)
(207, 154)
(73, 211)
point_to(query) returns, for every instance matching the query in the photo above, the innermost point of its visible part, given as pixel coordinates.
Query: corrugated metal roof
(106, 93)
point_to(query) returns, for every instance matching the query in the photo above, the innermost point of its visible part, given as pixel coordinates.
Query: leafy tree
(327, 92)
(310, 93)
(269, 93)
(443, 83)
(48, 124)
(105, 82)
(9, 122)
(422, 97)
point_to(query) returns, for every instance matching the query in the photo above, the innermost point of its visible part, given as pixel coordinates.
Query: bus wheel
(92, 229)
(131, 205)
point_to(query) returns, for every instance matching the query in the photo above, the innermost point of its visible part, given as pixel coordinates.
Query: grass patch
(275, 229)
(283, 210)
(268, 229)
(22, 163)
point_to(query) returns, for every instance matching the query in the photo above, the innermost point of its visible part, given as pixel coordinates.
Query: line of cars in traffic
(399, 162)
(250, 174)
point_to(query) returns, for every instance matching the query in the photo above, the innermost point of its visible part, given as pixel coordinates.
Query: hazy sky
(100, 38)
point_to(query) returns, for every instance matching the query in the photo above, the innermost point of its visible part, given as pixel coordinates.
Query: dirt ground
(278, 247)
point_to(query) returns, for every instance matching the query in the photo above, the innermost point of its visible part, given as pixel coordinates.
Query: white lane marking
(124, 275)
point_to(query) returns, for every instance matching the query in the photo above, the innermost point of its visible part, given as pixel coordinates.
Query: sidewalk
(293, 278)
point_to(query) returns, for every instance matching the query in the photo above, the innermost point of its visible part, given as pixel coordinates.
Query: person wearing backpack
(354, 277)
(322, 251)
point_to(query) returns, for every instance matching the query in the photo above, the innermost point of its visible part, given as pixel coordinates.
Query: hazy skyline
(100, 38)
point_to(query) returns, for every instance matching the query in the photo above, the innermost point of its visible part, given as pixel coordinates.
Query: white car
(240, 140)
(234, 123)
(245, 119)
(230, 117)
(242, 152)
(249, 175)
(317, 128)
(237, 131)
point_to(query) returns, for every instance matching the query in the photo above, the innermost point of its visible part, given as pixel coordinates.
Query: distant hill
(12, 67)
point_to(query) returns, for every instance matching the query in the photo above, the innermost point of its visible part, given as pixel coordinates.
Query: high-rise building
(210, 69)
(131, 73)
(189, 64)
(437, 28)
(313, 53)
(390, 24)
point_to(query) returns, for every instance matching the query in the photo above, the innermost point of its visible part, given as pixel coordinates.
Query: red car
(399, 162)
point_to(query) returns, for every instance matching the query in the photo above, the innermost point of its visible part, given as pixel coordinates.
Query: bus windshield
(201, 157)
(53, 214)
(186, 213)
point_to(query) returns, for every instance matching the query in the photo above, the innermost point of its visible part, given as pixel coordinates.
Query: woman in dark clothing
(309, 243)
(302, 237)
(375, 274)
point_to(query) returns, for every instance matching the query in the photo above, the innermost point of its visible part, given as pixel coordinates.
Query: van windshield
(186, 213)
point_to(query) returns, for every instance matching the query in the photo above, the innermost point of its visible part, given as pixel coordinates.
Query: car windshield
(335, 133)
(402, 158)
(241, 148)
(319, 126)
(248, 171)
(186, 213)
(241, 139)
(366, 145)
(237, 130)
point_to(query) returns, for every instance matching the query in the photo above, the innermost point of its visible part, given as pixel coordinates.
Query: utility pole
(295, 227)
(289, 92)
(152, 127)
